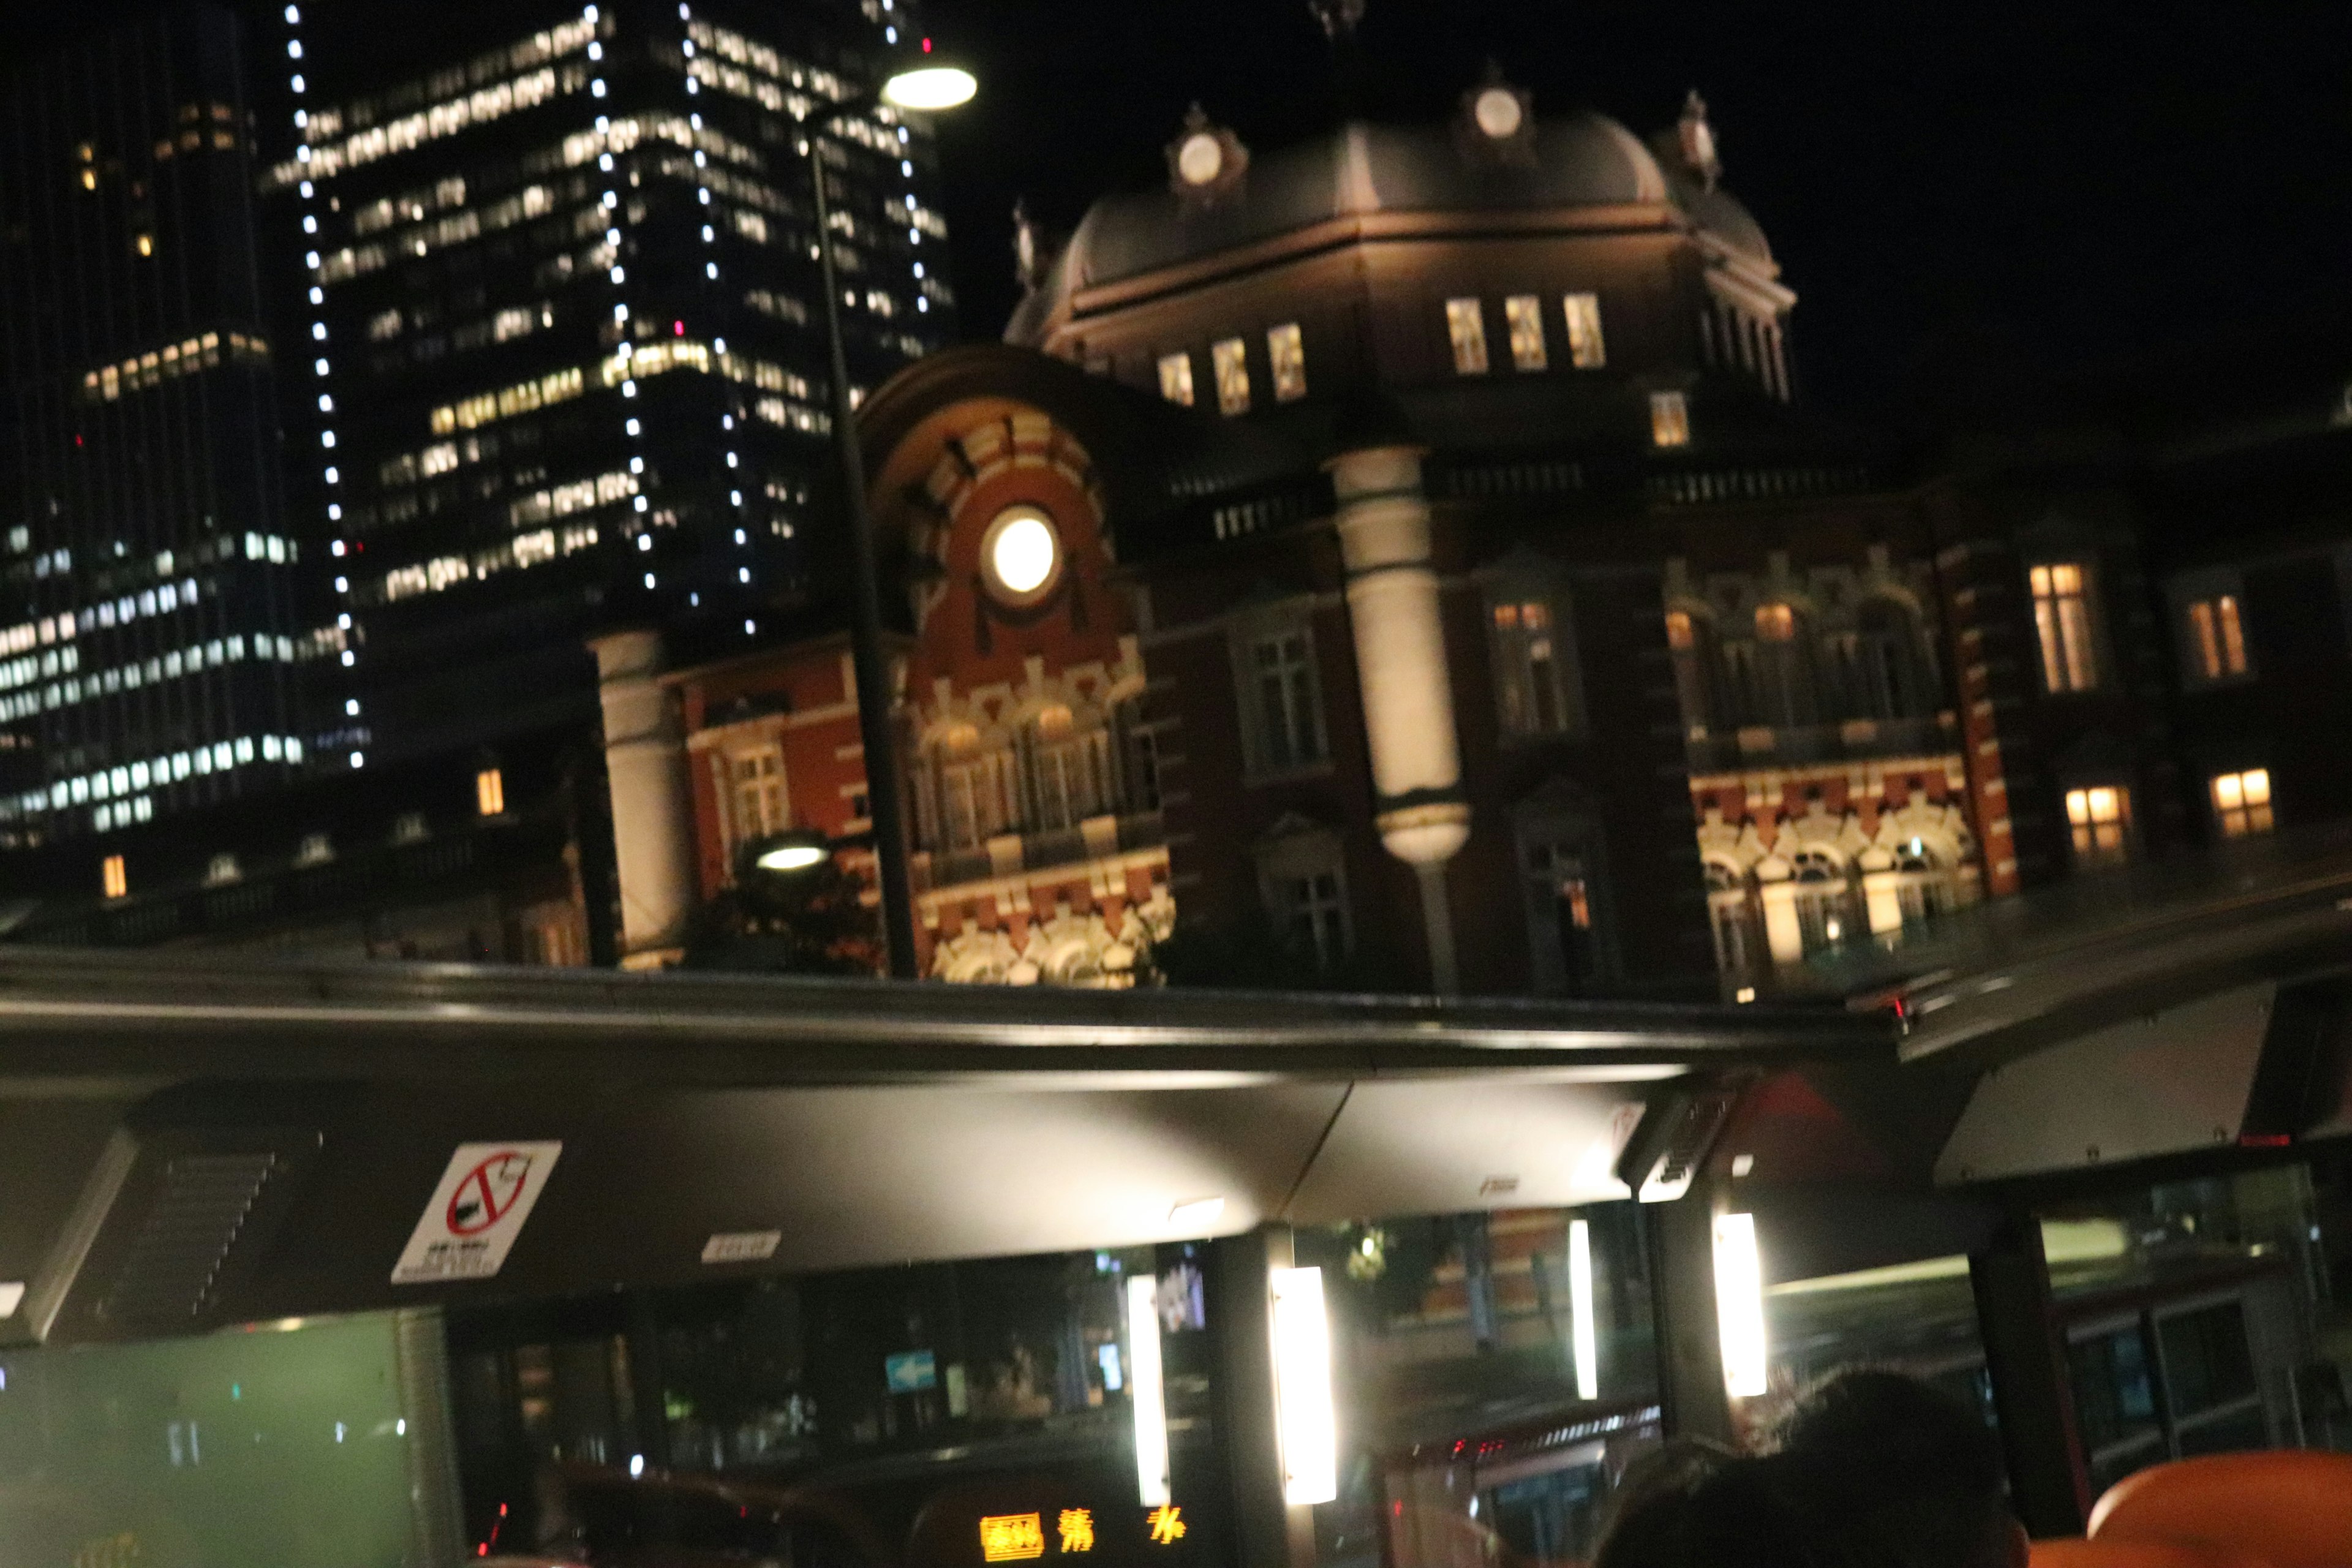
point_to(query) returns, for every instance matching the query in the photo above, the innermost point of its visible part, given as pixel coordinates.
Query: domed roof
(1577, 160)
(1709, 205)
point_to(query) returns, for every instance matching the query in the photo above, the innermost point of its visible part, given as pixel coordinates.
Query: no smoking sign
(475, 1212)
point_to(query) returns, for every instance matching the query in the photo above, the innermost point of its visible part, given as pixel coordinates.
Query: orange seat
(2291, 1507)
(2076, 1553)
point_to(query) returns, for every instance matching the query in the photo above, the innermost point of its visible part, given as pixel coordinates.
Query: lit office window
(2062, 617)
(491, 793)
(2100, 818)
(1535, 676)
(1466, 324)
(1669, 419)
(757, 799)
(1230, 359)
(1176, 378)
(1523, 313)
(114, 877)
(2217, 640)
(1586, 350)
(1285, 353)
(2241, 802)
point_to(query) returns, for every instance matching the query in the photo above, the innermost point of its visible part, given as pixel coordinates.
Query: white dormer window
(1176, 378)
(1669, 419)
(1230, 360)
(1286, 354)
(1586, 349)
(1523, 313)
(1466, 324)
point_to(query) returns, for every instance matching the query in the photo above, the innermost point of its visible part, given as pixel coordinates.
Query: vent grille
(201, 1206)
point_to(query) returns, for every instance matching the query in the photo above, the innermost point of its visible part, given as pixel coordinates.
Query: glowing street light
(930, 88)
(789, 854)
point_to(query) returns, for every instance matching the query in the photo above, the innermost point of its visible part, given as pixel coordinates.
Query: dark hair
(1903, 1470)
(1693, 1505)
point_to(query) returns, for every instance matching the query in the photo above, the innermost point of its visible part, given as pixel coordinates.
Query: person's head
(1693, 1505)
(1913, 1476)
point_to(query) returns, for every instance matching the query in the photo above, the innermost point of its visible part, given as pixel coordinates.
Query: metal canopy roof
(184, 1144)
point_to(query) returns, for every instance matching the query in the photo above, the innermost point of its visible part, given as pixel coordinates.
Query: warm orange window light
(2221, 637)
(1678, 630)
(2099, 817)
(2241, 802)
(491, 792)
(1776, 623)
(2062, 619)
(114, 878)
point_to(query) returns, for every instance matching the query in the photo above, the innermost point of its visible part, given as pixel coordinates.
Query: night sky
(1957, 192)
(1953, 191)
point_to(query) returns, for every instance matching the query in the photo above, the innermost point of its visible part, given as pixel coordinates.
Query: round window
(1201, 158)
(1021, 556)
(1498, 113)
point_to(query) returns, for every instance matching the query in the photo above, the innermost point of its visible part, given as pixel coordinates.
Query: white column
(653, 812)
(1400, 669)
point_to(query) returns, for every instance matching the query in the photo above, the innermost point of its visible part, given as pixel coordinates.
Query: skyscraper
(559, 360)
(148, 623)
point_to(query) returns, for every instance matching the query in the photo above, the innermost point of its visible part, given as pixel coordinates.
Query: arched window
(1533, 640)
(1824, 901)
(971, 789)
(1731, 911)
(1068, 766)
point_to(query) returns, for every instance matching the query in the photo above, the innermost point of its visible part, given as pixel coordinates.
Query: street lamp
(929, 87)
(789, 854)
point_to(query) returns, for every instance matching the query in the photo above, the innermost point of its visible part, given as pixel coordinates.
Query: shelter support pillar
(1681, 1237)
(2027, 1362)
(1267, 1531)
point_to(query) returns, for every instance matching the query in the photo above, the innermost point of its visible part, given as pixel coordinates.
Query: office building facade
(148, 587)
(560, 356)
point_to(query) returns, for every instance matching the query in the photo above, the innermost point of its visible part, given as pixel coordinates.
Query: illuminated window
(757, 803)
(1466, 324)
(2100, 818)
(2241, 802)
(2062, 617)
(491, 793)
(1230, 359)
(114, 877)
(1776, 623)
(1285, 352)
(1285, 699)
(1669, 419)
(222, 871)
(1523, 313)
(1559, 855)
(1692, 644)
(1586, 349)
(146, 243)
(1176, 378)
(1535, 665)
(2217, 640)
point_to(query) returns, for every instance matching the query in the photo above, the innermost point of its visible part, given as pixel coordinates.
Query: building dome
(1565, 160)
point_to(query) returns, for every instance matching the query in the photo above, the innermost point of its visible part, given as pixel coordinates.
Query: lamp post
(931, 87)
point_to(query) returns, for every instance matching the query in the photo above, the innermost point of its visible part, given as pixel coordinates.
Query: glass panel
(2114, 1389)
(2207, 1361)
(2208, 644)
(2233, 636)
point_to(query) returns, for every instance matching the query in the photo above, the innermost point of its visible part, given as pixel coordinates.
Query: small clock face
(1200, 159)
(1021, 556)
(1498, 113)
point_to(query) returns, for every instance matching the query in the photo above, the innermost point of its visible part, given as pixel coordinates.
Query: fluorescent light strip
(1302, 1386)
(1147, 1391)
(1582, 1331)
(1739, 1305)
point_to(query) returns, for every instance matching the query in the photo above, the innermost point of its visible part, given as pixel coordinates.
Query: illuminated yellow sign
(1011, 1537)
(1078, 1528)
(1167, 1523)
